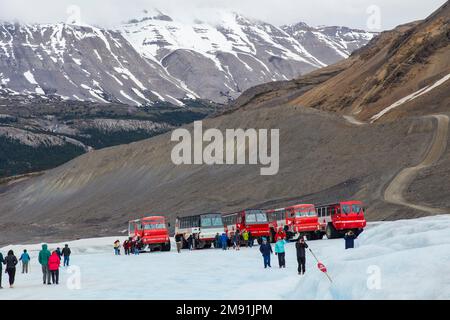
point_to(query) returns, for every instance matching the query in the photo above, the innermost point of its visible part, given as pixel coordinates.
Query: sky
(373, 15)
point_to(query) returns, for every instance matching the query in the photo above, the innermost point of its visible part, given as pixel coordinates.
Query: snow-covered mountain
(329, 44)
(156, 58)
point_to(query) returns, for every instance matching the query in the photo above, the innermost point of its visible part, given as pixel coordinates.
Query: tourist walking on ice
(2, 261)
(217, 241)
(43, 257)
(301, 247)
(53, 266)
(350, 239)
(224, 241)
(126, 247)
(266, 250)
(179, 242)
(66, 254)
(280, 252)
(136, 247)
(58, 252)
(25, 258)
(250, 239)
(237, 240)
(11, 262)
(245, 237)
(117, 248)
(190, 241)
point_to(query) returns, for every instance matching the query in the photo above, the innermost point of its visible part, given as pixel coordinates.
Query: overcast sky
(383, 14)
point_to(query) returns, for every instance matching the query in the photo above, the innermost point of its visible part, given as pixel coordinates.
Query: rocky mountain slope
(402, 72)
(156, 58)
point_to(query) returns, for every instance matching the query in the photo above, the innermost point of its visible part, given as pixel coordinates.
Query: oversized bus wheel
(310, 236)
(165, 247)
(331, 232)
(319, 235)
(207, 245)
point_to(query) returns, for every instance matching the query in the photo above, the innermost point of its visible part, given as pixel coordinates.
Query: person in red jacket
(53, 266)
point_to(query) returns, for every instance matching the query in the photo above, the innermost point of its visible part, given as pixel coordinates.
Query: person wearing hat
(266, 250)
(350, 240)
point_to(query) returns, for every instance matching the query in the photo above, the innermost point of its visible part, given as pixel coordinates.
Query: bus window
(250, 218)
(261, 217)
(356, 208)
(346, 209)
(154, 226)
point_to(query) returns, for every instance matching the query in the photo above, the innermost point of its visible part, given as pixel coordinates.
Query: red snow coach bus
(295, 221)
(337, 218)
(253, 220)
(203, 227)
(152, 231)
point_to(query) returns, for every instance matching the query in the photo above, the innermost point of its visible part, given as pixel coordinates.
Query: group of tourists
(235, 240)
(280, 251)
(50, 263)
(132, 245)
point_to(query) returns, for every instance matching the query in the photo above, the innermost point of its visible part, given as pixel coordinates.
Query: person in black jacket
(66, 254)
(349, 239)
(266, 250)
(2, 261)
(179, 241)
(190, 241)
(11, 261)
(301, 247)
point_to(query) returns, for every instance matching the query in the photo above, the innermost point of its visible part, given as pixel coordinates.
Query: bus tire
(165, 247)
(319, 235)
(331, 231)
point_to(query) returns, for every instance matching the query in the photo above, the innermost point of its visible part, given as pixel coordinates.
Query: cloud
(109, 13)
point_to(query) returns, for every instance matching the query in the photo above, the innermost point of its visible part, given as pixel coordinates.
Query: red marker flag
(322, 267)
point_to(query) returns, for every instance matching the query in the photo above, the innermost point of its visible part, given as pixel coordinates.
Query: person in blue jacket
(280, 252)
(266, 251)
(25, 258)
(224, 241)
(350, 239)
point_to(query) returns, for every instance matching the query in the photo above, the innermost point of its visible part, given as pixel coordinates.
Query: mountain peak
(150, 14)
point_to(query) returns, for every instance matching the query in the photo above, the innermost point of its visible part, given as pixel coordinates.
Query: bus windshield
(356, 208)
(211, 221)
(255, 216)
(154, 226)
(307, 212)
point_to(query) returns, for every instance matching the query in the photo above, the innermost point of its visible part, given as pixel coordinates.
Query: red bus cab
(253, 220)
(338, 218)
(295, 221)
(152, 231)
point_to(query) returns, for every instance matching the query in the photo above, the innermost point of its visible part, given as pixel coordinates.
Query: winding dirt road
(395, 190)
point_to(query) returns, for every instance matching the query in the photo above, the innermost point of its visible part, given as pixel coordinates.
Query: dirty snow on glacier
(405, 259)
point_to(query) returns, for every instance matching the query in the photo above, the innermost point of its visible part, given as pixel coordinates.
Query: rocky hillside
(41, 133)
(156, 58)
(402, 72)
